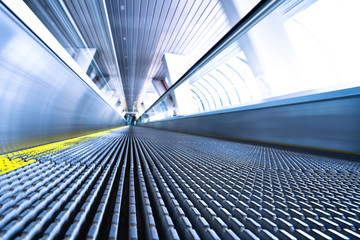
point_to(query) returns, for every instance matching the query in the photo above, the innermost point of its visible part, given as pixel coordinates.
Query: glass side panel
(301, 48)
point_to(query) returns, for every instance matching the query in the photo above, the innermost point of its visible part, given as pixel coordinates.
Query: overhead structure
(131, 37)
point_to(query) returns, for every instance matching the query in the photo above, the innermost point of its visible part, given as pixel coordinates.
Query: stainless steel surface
(326, 123)
(41, 100)
(140, 183)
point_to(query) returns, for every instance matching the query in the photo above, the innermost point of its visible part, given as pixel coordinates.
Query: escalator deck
(141, 183)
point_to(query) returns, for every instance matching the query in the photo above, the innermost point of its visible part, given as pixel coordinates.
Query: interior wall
(41, 99)
(325, 124)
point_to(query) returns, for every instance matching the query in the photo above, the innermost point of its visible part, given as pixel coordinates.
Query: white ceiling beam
(84, 57)
(174, 67)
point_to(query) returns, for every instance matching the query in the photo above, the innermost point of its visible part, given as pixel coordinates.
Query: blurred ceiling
(131, 36)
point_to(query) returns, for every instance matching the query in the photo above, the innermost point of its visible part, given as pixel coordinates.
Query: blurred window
(300, 48)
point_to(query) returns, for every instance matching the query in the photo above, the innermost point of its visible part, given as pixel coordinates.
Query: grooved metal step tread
(140, 183)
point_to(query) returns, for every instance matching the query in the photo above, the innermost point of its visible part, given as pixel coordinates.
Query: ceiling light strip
(123, 100)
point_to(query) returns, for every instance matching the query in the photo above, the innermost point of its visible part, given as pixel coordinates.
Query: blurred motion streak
(41, 99)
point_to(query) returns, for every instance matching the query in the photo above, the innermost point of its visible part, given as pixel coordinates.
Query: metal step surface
(141, 183)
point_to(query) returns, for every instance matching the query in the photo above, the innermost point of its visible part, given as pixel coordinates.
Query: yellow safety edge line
(14, 160)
